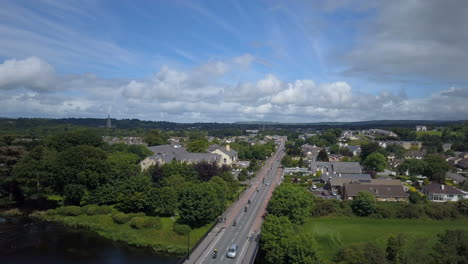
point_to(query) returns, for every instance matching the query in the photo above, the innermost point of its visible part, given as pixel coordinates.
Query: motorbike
(215, 253)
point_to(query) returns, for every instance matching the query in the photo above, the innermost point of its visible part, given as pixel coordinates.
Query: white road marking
(220, 234)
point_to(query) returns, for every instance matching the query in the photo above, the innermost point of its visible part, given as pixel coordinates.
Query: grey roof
(166, 153)
(336, 167)
(346, 167)
(440, 188)
(354, 148)
(456, 177)
(349, 176)
(230, 153)
(378, 190)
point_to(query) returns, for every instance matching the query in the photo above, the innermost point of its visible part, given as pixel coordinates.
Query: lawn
(162, 240)
(331, 234)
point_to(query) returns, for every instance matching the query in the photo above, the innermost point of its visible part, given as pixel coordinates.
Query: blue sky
(234, 60)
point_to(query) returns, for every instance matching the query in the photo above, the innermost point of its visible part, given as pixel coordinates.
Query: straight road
(246, 216)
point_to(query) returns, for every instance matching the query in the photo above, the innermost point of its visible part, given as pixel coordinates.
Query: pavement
(247, 217)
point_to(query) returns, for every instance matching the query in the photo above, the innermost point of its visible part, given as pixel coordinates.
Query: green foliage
(369, 148)
(123, 165)
(198, 205)
(93, 209)
(70, 210)
(181, 229)
(291, 201)
(65, 140)
(452, 247)
(199, 145)
(394, 249)
(275, 232)
(322, 156)
(154, 138)
(436, 168)
(375, 161)
(363, 253)
(141, 222)
(73, 194)
(364, 204)
(121, 218)
(462, 206)
(413, 166)
(162, 201)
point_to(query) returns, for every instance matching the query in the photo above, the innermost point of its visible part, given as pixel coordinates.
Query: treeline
(246, 151)
(451, 247)
(78, 168)
(365, 205)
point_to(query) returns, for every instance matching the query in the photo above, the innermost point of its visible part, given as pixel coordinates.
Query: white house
(443, 193)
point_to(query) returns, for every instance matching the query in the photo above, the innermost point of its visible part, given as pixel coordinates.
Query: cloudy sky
(235, 60)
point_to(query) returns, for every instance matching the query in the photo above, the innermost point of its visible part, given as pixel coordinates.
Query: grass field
(436, 133)
(162, 240)
(331, 234)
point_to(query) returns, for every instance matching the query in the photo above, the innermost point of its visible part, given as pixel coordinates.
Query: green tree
(452, 247)
(275, 233)
(64, 140)
(197, 204)
(361, 254)
(291, 201)
(155, 138)
(322, 156)
(436, 167)
(73, 194)
(162, 201)
(199, 145)
(369, 148)
(364, 204)
(375, 161)
(123, 165)
(300, 250)
(394, 249)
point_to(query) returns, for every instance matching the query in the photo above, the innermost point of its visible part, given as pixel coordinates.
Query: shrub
(104, 209)
(462, 206)
(409, 211)
(91, 209)
(121, 218)
(181, 229)
(70, 210)
(141, 222)
(383, 210)
(364, 204)
(11, 212)
(324, 207)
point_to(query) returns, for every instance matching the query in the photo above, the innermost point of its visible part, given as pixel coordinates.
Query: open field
(332, 233)
(162, 240)
(436, 133)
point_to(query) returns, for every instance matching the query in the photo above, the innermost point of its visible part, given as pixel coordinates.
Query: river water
(23, 240)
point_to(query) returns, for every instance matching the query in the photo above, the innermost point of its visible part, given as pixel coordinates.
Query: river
(23, 240)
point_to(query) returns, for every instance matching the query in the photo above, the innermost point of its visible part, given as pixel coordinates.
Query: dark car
(325, 193)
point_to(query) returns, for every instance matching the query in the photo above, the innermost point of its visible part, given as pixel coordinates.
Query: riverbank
(161, 238)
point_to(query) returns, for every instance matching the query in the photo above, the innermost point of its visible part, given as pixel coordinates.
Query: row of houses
(221, 155)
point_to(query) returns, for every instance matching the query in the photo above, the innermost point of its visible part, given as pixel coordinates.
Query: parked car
(232, 251)
(314, 187)
(325, 193)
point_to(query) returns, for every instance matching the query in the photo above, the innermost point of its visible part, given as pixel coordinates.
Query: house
(455, 177)
(336, 167)
(335, 182)
(443, 193)
(381, 132)
(228, 155)
(167, 153)
(446, 146)
(310, 152)
(463, 164)
(386, 190)
(356, 150)
(405, 144)
(421, 128)
(123, 140)
(414, 154)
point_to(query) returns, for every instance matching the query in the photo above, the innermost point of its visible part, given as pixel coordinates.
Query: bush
(104, 209)
(11, 212)
(181, 229)
(70, 210)
(121, 218)
(91, 209)
(324, 207)
(364, 204)
(409, 211)
(385, 210)
(141, 222)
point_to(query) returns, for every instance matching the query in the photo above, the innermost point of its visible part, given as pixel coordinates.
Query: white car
(314, 187)
(232, 251)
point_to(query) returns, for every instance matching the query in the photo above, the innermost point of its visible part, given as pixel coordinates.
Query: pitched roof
(167, 153)
(379, 191)
(346, 167)
(441, 188)
(350, 176)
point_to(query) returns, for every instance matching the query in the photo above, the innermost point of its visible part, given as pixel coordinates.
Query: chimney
(442, 187)
(228, 147)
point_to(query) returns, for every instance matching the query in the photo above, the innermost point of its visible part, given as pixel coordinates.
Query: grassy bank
(332, 233)
(161, 239)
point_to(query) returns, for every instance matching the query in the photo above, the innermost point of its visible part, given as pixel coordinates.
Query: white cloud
(202, 94)
(32, 73)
